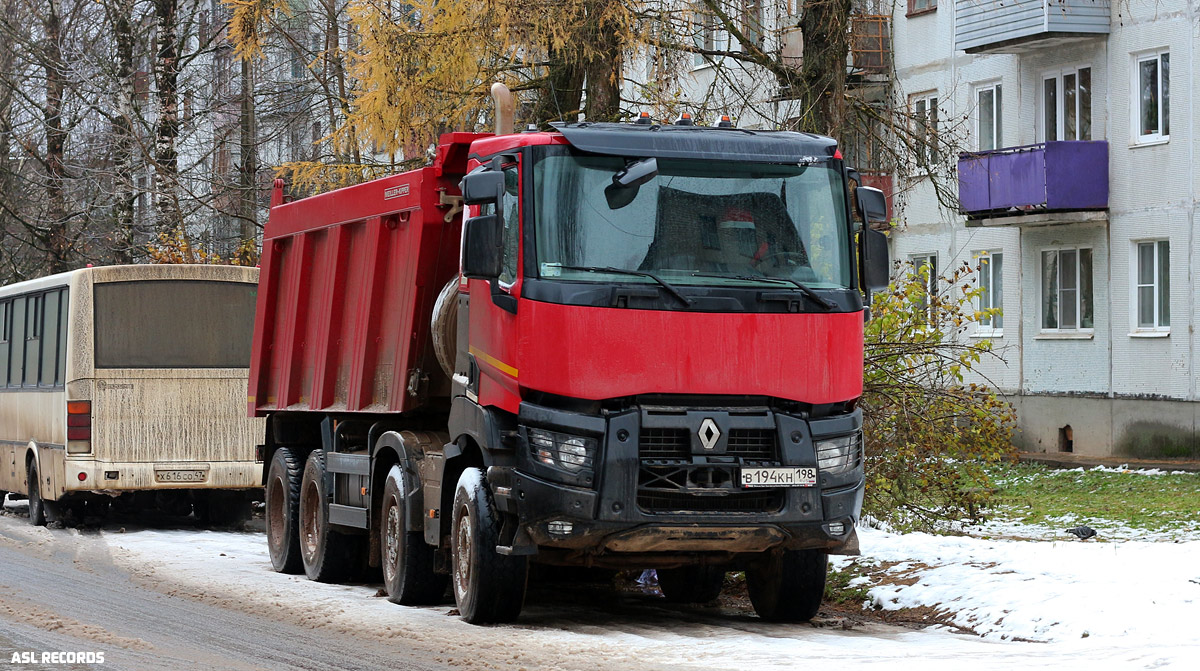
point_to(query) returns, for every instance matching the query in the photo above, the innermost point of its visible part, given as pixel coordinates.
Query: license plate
(180, 476)
(779, 476)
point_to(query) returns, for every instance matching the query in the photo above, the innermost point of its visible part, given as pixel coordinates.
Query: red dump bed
(347, 287)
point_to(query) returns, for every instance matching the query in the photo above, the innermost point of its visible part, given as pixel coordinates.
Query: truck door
(492, 335)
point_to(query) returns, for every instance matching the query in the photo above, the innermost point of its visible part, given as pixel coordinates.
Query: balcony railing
(1013, 26)
(1052, 176)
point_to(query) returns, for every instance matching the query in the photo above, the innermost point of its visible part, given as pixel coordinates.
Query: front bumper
(627, 503)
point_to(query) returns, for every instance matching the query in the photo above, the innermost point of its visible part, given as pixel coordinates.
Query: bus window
(33, 338)
(50, 327)
(173, 324)
(60, 375)
(17, 358)
(5, 340)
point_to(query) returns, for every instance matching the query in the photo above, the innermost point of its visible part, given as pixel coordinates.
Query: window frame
(990, 299)
(1060, 117)
(931, 283)
(1135, 100)
(997, 114)
(913, 10)
(1079, 329)
(1135, 326)
(930, 117)
(707, 35)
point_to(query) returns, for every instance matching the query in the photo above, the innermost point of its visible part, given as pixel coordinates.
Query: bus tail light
(79, 424)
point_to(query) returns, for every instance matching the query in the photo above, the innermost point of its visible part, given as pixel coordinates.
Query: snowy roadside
(1134, 601)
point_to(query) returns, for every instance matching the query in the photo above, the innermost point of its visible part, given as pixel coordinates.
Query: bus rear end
(160, 405)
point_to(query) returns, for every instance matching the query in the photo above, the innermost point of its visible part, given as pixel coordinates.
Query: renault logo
(709, 433)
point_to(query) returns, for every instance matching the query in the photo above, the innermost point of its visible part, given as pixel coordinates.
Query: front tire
(788, 586)
(488, 586)
(283, 512)
(407, 560)
(328, 555)
(691, 584)
(37, 507)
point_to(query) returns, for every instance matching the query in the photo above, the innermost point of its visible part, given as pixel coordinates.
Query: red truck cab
(656, 364)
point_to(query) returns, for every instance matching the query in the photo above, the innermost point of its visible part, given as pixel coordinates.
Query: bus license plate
(779, 476)
(179, 476)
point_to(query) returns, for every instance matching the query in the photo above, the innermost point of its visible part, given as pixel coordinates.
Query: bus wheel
(37, 507)
(328, 556)
(788, 586)
(488, 586)
(407, 560)
(691, 584)
(283, 512)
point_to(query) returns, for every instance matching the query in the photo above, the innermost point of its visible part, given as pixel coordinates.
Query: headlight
(838, 455)
(571, 453)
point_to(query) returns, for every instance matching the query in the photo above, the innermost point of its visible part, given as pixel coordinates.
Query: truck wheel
(691, 584)
(788, 586)
(407, 560)
(488, 586)
(283, 512)
(328, 555)
(37, 507)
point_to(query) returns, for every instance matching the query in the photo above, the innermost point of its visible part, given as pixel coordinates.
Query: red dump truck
(639, 346)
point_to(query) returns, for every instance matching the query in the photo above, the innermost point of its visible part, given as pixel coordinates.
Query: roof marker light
(685, 119)
(644, 119)
(724, 122)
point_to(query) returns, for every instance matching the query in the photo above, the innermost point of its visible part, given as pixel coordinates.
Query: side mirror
(483, 186)
(483, 241)
(872, 205)
(876, 267)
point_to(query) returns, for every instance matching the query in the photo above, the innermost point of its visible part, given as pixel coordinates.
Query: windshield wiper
(807, 290)
(623, 271)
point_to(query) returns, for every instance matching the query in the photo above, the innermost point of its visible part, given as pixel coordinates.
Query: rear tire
(328, 555)
(407, 560)
(283, 512)
(788, 586)
(37, 507)
(691, 584)
(488, 586)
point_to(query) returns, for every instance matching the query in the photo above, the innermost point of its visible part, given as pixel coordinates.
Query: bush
(929, 431)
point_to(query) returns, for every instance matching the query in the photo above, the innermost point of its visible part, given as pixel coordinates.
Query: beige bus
(128, 383)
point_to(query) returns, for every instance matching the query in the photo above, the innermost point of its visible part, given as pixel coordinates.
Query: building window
(1067, 105)
(921, 6)
(987, 117)
(919, 262)
(1153, 98)
(991, 285)
(706, 36)
(1067, 290)
(752, 22)
(1152, 285)
(924, 107)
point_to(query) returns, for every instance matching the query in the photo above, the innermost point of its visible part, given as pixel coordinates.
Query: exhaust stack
(505, 107)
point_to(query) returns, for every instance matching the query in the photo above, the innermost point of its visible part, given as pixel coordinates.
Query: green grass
(838, 589)
(1036, 494)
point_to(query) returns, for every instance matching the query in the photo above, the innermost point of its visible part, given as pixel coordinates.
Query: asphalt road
(61, 592)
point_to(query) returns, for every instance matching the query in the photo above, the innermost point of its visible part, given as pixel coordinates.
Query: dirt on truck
(622, 345)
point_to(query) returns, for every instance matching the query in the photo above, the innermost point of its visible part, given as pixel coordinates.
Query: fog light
(560, 527)
(836, 528)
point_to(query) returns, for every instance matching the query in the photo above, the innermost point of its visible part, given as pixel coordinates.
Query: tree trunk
(826, 29)
(603, 65)
(248, 168)
(56, 238)
(561, 95)
(166, 79)
(120, 14)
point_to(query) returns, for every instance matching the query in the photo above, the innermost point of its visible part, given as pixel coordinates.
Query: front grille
(753, 444)
(764, 501)
(665, 444)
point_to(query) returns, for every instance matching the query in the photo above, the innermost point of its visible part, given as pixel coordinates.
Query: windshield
(694, 222)
(174, 324)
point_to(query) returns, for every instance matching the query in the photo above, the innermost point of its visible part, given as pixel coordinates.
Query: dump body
(348, 284)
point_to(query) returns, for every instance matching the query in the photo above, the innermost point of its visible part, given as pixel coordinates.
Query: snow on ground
(1087, 604)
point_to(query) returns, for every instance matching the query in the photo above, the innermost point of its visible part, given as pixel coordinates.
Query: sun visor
(698, 142)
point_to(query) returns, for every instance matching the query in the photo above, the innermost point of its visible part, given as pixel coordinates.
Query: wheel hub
(462, 558)
(392, 543)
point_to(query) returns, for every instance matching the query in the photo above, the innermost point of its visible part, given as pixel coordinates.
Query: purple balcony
(1052, 176)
